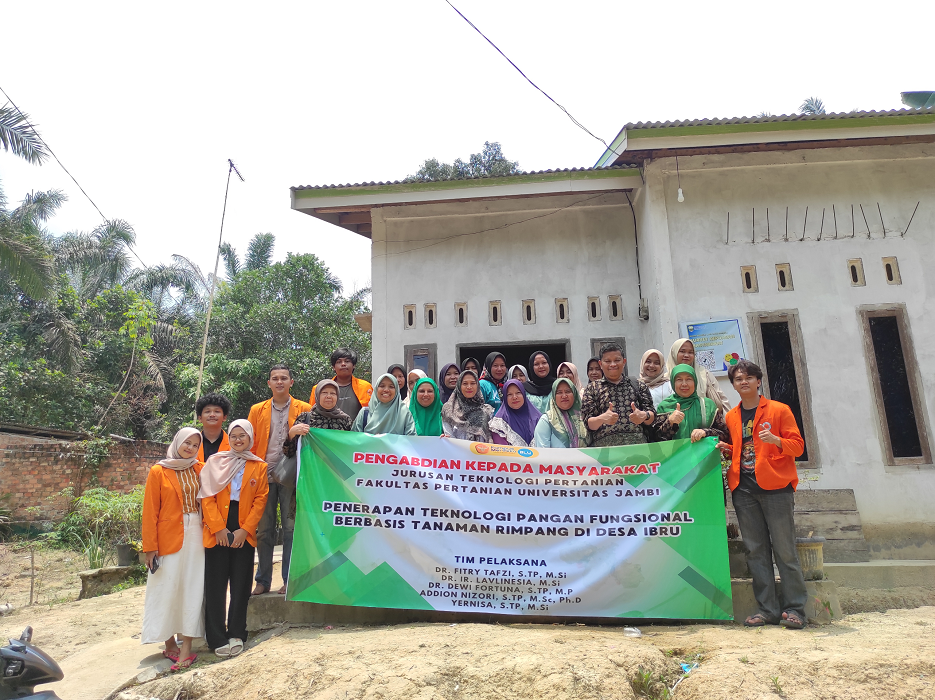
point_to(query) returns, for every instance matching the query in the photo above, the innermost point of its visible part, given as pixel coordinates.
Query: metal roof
(520, 174)
(777, 118)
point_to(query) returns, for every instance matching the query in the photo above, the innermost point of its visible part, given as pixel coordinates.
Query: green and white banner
(438, 524)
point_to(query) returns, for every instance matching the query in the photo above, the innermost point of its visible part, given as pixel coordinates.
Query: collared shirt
(236, 483)
(278, 430)
(190, 483)
(597, 399)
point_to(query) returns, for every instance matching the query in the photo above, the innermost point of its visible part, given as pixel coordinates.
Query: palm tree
(23, 253)
(812, 105)
(260, 251)
(18, 136)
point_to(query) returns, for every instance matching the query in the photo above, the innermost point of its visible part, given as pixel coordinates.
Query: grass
(646, 685)
(744, 660)
(777, 688)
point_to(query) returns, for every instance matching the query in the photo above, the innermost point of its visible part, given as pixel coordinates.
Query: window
(784, 277)
(431, 317)
(461, 314)
(897, 386)
(529, 312)
(409, 316)
(855, 270)
(596, 344)
(748, 279)
(561, 310)
(615, 305)
(891, 268)
(594, 308)
(494, 314)
(780, 353)
(422, 357)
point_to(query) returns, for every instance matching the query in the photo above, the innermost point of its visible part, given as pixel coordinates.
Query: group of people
(213, 501)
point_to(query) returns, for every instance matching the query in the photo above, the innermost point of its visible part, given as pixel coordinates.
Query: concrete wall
(707, 285)
(538, 248)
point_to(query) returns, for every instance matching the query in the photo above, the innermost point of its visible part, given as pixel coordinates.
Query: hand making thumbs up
(676, 416)
(638, 417)
(610, 416)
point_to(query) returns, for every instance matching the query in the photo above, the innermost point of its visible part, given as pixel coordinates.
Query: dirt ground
(866, 655)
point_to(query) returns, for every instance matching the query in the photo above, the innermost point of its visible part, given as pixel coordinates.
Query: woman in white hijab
(411, 379)
(175, 552)
(234, 489)
(653, 374)
(683, 353)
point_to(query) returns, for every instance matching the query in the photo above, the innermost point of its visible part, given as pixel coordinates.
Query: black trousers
(223, 566)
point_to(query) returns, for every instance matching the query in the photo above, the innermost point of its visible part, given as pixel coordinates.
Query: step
(883, 573)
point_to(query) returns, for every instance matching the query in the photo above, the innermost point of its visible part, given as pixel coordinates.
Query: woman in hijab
(399, 372)
(469, 363)
(561, 425)
(539, 385)
(595, 373)
(517, 372)
(426, 408)
(448, 380)
(386, 413)
(465, 416)
(569, 371)
(683, 353)
(685, 415)
(411, 379)
(515, 421)
(325, 414)
(492, 378)
(234, 489)
(172, 541)
(654, 375)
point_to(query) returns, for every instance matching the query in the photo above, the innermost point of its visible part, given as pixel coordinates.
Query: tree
(812, 105)
(19, 137)
(490, 162)
(23, 253)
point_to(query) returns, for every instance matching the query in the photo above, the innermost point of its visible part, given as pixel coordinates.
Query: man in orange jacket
(353, 393)
(271, 422)
(765, 441)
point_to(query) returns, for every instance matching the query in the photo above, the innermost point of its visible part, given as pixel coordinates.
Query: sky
(144, 104)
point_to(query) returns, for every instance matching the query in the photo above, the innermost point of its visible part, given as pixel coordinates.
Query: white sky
(144, 103)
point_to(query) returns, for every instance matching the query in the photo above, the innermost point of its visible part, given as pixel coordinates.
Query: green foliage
(137, 578)
(646, 684)
(812, 105)
(777, 687)
(19, 137)
(101, 517)
(490, 162)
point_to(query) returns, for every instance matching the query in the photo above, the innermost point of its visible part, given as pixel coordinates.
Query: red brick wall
(33, 472)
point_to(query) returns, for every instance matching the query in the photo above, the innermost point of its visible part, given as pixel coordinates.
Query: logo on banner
(480, 448)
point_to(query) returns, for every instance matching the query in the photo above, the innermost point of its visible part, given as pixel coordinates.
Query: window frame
(791, 317)
(864, 314)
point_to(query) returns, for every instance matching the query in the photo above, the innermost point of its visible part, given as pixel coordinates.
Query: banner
(437, 524)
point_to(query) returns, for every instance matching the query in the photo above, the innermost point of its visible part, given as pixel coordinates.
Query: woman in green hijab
(425, 404)
(386, 413)
(561, 425)
(684, 415)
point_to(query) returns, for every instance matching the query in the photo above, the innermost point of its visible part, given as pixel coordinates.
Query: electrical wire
(567, 113)
(67, 172)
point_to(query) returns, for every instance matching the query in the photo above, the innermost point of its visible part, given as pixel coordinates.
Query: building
(801, 242)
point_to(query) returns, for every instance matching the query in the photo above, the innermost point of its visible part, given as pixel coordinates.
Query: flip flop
(184, 663)
(757, 620)
(171, 655)
(236, 646)
(792, 621)
(223, 652)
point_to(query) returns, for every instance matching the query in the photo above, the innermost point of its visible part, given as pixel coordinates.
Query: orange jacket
(261, 415)
(254, 491)
(362, 390)
(225, 445)
(163, 527)
(774, 466)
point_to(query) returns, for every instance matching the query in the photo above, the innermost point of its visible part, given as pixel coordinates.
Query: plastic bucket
(811, 558)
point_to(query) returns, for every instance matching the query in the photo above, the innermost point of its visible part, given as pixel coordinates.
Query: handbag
(285, 470)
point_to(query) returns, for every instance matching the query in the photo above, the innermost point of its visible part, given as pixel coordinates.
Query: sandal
(223, 652)
(184, 663)
(792, 621)
(758, 620)
(171, 655)
(236, 646)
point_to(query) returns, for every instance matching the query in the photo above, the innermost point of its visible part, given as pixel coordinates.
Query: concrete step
(883, 573)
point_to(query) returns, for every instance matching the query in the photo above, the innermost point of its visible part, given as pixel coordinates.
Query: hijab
(699, 412)
(465, 361)
(405, 387)
(173, 459)
(428, 420)
(386, 417)
(335, 413)
(419, 375)
(574, 374)
(222, 467)
(568, 425)
(487, 374)
(536, 385)
(598, 361)
(701, 376)
(509, 372)
(522, 420)
(659, 379)
(446, 392)
(470, 415)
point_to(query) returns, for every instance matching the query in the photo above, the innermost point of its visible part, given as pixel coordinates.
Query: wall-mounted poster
(718, 344)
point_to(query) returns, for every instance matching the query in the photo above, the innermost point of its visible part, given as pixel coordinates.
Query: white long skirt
(175, 594)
